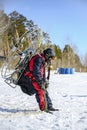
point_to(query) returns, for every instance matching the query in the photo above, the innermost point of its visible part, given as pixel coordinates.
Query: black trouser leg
(49, 102)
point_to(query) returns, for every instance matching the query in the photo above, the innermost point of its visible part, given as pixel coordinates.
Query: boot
(52, 109)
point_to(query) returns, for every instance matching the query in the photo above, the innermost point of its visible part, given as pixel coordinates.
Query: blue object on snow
(66, 70)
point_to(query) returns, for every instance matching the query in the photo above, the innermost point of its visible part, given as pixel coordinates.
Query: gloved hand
(46, 84)
(43, 87)
(41, 84)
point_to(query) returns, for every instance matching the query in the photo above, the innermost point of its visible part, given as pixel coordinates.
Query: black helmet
(49, 53)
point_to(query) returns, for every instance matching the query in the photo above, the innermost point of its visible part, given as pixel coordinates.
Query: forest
(17, 30)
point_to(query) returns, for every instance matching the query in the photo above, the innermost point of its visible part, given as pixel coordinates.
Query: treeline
(15, 25)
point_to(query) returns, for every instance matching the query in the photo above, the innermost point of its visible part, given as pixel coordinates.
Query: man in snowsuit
(33, 80)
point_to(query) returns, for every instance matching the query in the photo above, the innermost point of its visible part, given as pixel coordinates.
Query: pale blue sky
(64, 20)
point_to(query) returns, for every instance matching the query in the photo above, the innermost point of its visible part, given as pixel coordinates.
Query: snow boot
(52, 109)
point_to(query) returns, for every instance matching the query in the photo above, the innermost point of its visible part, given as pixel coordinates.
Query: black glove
(42, 85)
(40, 82)
(46, 84)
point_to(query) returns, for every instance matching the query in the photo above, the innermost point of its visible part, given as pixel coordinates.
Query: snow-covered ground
(68, 93)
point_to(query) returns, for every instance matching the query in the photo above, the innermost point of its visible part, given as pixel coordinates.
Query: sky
(68, 93)
(64, 20)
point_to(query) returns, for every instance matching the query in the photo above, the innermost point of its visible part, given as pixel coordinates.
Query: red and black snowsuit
(33, 79)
